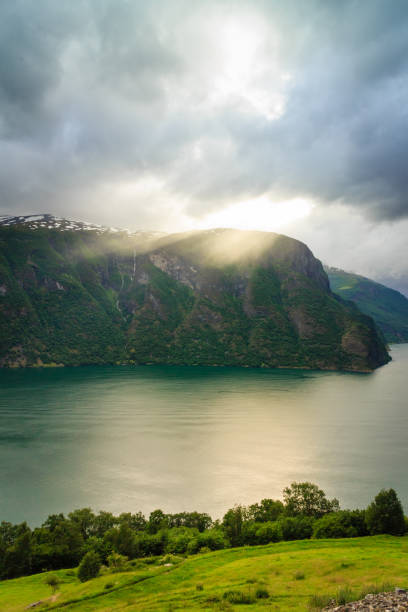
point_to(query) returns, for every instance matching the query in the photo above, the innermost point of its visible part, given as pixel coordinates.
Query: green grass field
(291, 573)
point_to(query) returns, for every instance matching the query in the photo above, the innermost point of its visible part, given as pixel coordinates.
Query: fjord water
(178, 438)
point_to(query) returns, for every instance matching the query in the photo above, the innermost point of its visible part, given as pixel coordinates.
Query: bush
(296, 527)
(213, 539)
(238, 597)
(337, 525)
(385, 514)
(53, 581)
(179, 539)
(261, 593)
(268, 532)
(117, 563)
(89, 567)
(147, 545)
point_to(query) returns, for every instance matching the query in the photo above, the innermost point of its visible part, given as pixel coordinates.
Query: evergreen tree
(385, 514)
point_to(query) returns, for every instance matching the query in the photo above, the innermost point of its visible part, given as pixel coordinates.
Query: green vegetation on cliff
(387, 307)
(220, 297)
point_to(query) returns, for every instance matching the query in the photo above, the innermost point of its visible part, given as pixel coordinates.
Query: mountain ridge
(388, 307)
(212, 297)
(49, 221)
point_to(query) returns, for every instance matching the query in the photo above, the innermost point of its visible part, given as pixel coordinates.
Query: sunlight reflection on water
(129, 439)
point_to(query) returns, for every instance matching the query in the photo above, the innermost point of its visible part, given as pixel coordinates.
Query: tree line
(86, 538)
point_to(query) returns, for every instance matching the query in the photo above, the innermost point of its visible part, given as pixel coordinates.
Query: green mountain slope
(218, 297)
(387, 307)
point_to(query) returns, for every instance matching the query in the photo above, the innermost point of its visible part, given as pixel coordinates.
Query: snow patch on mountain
(47, 221)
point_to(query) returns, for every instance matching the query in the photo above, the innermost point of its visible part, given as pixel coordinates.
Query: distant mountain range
(75, 294)
(387, 307)
(47, 221)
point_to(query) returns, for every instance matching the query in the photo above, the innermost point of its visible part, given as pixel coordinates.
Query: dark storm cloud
(109, 91)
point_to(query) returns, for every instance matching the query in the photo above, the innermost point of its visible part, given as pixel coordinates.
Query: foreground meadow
(284, 576)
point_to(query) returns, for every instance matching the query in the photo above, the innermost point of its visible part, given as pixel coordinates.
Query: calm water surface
(129, 439)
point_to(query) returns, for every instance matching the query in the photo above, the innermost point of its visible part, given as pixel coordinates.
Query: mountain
(387, 307)
(74, 295)
(47, 221)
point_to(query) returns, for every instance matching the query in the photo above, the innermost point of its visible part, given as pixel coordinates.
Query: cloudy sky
(171, 115)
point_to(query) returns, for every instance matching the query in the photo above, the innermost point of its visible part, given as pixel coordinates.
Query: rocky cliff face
(219, 297)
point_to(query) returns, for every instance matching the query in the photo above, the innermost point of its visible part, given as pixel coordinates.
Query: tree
(157, 520)
(306, 499)
(385, 514)
(103, 522)
(85, 519)
(89, 566)
(198, 520)
(233, 523)
(17, 560)
(122, 540)
(267, 510)
(134, 521)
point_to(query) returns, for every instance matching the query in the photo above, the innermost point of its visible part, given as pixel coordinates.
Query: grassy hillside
(290, 573)
(387, 307)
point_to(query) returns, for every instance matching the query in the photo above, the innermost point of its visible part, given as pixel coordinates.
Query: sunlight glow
(242, 74)
(258, 214)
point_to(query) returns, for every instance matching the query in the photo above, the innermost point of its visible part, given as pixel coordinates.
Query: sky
(173, 115)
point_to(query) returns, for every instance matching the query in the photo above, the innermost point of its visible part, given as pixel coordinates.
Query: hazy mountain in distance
(388, 308)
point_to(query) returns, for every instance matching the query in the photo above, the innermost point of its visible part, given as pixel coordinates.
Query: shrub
(296, 527)
(53, 581)
(179, 539)
(89, 567)
(213, 539)
(385, 514)
(299, 576)
(261, 593)
(213, 599)
(117, 563)
(238, 597)
(268, 532)
(318, 602)
(147, 545)
(337, 525)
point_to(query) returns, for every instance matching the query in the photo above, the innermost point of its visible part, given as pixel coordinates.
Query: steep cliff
(218, 297)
